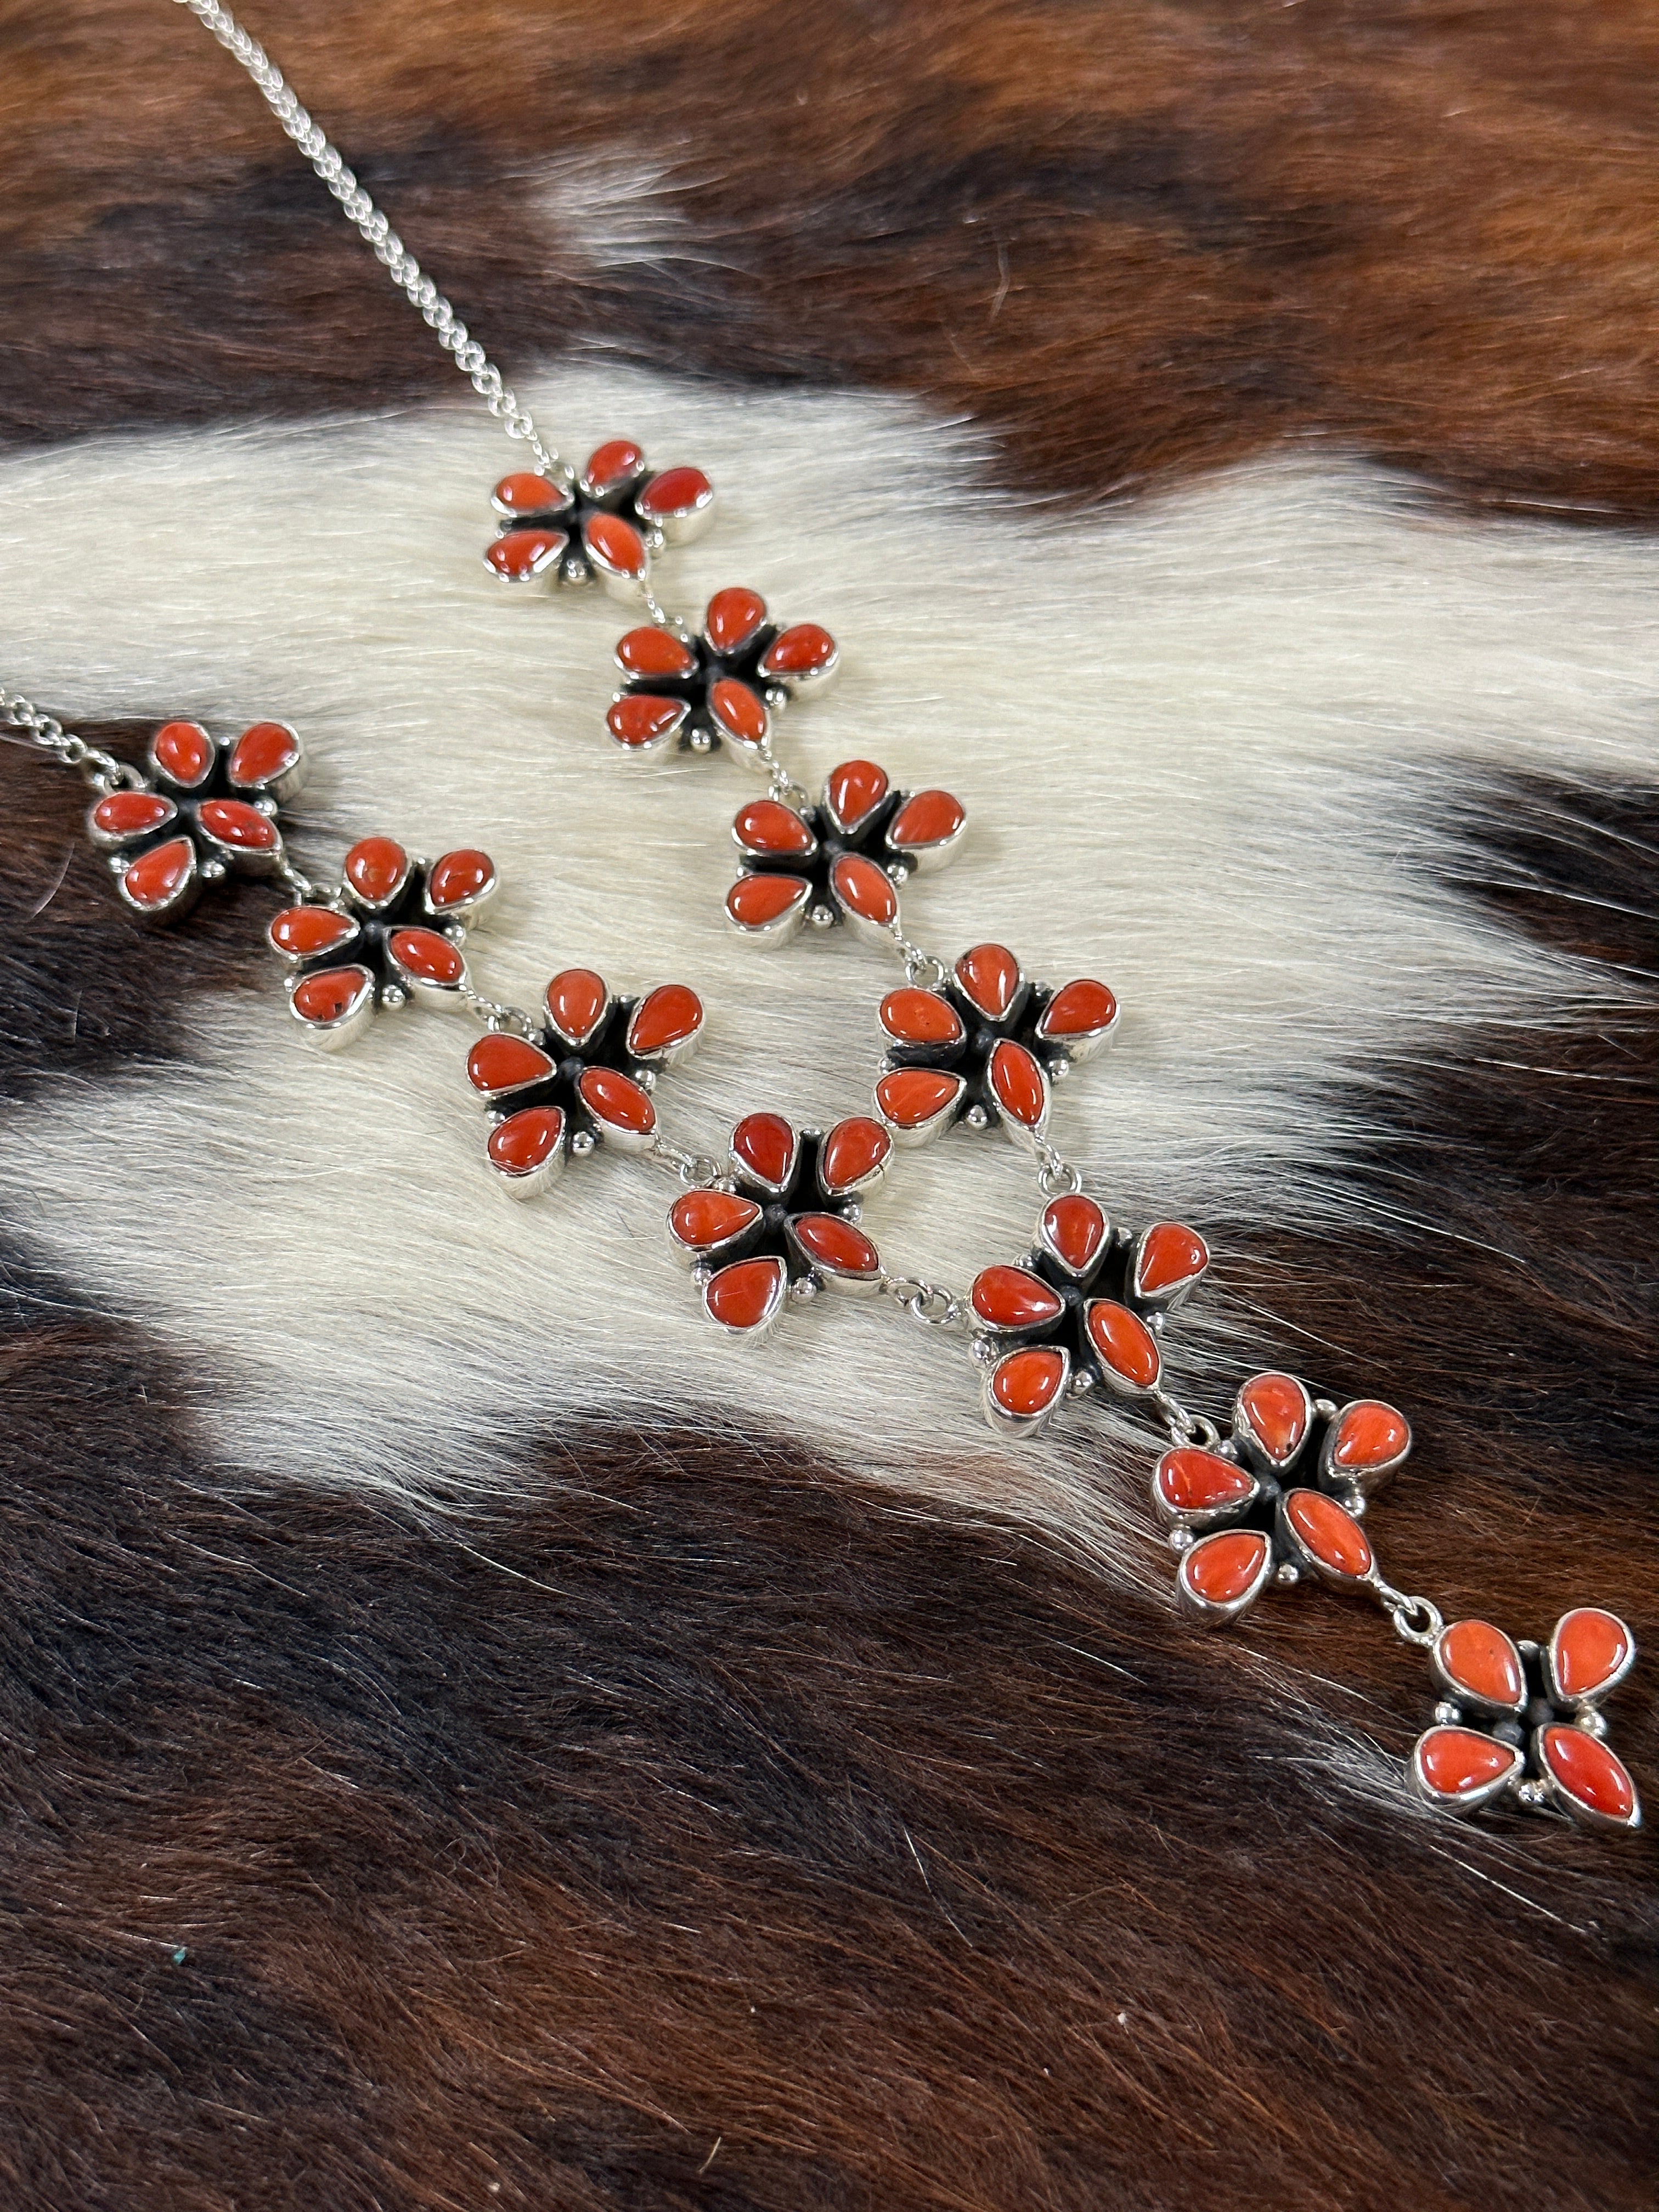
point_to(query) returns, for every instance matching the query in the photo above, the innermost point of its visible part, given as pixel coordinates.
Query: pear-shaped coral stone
(1222, 1569)
(159, 877)
(1027, 1383)
(1276, 1406)
(732, 618)
(518, 554)
(332, 994)
(130, 813)
(863, 890)
(705, 1218)
(1123, 1343)
(262, 754)
(651, 652)
(616, 1100)
(836, 1244)
(458, 877)
(611, 466)
(669, 1015)
(1190, 1479)
(526, 1139)
(989, 975)
(853, 1149)
(616, 544)
(1456, 1762)
(1074, 1229)
(767, 827)
(525, 493)
(1588, 1650)
(765, 1144)
(854, 791)
(804, 649)
(183, 751)
(1169, 1254)
(1477, 1657)
(1012, 1298)
(232, 822)
(1369, 1434)
(1081, 1009)
(578, 999)
(428, 957)
(754, 902)
(912, 1097)
(739, 713)
(1334, 1536)
(1019, 1086)
(501, 1062)
(927, 817)
(746, 1294)
(376, 868)
(913, 1017)
(300, 933)
(1588, 1771)
(641, 719)
(676, 491)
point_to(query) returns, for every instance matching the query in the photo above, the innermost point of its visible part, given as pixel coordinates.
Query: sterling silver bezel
(832, 813)
(1086, 1043)
(1203, 1518)
(1295, 1547)
(561, 504)
(328, 953)
(1207, 1611)
(930, 1131)
(871, 932)
(1368, 1481)
(1120, 1385)
(172, 909)
(666, 739)
(1552, 1681)
(448, 996)
(469, 912)
(1091, 1267)
(677, 1048)
(763, 1328)
(924, 858)
(240, 860)
(334, 1036)
(815, 679)
(578, 1044)
(1023, 1424)
(752, 751)
(683, 524)
(530, 1182)
(513, 1090)
(1025, 1136)
(1475, 1699)
(1249, 1444)
(1469, 1800)
(550, 559)
(710, 1256)
(1173, 1298)
(163, 775)
(111, 840)
(783, 927)
(608, 1133)
(843, 1282)
(281, 788)
(872, 1177)
(1583, 1815)
(778, 863)
(749, 1174)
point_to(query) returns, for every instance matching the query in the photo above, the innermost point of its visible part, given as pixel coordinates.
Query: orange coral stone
(458, 877)
(1020, 1087)
(157, 877)
(232, 822)
(912, 1095)
(928, 817)
(1588, 1771)
(423, 953)
(521, 554)
(676, 491)
(130, 813)
(501, 1062)
(611, 466)
(578, 1000)
(1079, 1009)
(261, 754)
(616, 544)
(855, 790)
(746, 1294)
(767, 826)
(671, 1014)
(642, 719)
(989, 974)
(1124, 1343)
(616, 1100)
(913, 1017)
(765, 1143)
(804, 649)
(1276, 1406)
(1455, 1761)
(1221, 1569)
(1369, 1434)
(1074, 1227)
(733, 616)
(1170, 1254)
(1012, 1298)
(375, 868)
(855, 1148)
(326, 997)
(1027, 1383)
(1588, 1649)
(704, 1218)
(529, 494)
(526, 1139)
(836, 1244)
(183, 751)
(863, 889)
(1192, 1480)
(649, 652)
(741, 713)
(755, 901)
(1334, 1536)
(302, 931)
(1481, 1659)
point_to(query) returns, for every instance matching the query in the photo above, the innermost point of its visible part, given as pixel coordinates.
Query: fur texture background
(468, 1738)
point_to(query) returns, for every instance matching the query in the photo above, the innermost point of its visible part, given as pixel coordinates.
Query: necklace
(1279, 1494)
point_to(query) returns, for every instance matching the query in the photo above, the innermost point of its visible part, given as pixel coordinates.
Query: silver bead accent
(394, 996)
(582, 1144)
(851, 1211)
(1533, 1794)
(1083, 1381)
(823, 917)
(1447, 1713)
(1180, 1539)
(213, 871)
(703, 741)
(1592, 1723)
(977, 1118)
(646, 1078)
(1059, 1067)
(804, 1289)
(1289, 1575)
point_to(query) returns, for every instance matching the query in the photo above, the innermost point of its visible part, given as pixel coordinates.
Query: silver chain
(377, 233)
(1056, 1177)
(494, 1014)
(698, 1168)
(930, 1303)
(100, 770)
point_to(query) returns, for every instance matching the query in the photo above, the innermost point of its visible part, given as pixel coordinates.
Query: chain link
(1415, 1620)
(494, 1014)
(929, 1304)
(377, 233)
(47, 734)
(925, 970)
(697, 1169)
(1056, 1177)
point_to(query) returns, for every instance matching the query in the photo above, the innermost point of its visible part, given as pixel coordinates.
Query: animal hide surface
(469, 1735)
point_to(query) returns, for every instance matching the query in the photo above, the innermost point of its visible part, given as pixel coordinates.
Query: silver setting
(783, 926)
(928, 1132)
(1291, 1544)
(117, 840)
(853, 1283)
(710, 1256)
(682, 524)
(450, 996)
(925, 858)
(1207, 1611)
(871, 932)
(1090, 1266)
(1078, 1045)
(1024, 1136)
(1251, 1446)
(280, 788)
(531, 1183)
(1460, 1690)
(1580, 1703)
(1583, 1815)
(566, 1038)
(182, 899)
(1367, 1481)
(467, 913)
(1467, 1801)
(1202, 1517)
(777, 1304)
(665, 739)
(334, 1036)
(1024, 1424)
(1169, 1300)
